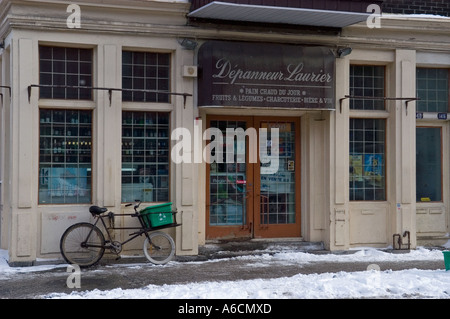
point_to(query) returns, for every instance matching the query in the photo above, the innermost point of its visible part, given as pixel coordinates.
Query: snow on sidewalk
(412, 283)
(367, 284)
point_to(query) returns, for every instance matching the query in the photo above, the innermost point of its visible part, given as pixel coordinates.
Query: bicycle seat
(97, 210)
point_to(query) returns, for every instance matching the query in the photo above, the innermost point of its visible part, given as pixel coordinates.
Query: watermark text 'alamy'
(233, 145)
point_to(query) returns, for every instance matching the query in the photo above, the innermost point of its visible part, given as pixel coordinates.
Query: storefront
(366, 164)
(332, 132)
(255, 192)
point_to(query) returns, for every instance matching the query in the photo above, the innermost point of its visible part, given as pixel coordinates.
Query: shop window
(432, 89)
(145, 156)
(367, 159)
(428, 164)
(69, 67)
(367, 81)
(146, 75)
(65, 156)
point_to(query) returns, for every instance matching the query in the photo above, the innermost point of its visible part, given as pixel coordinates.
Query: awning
(278, 15)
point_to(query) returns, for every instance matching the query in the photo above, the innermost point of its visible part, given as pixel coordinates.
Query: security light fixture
(342, 52)
(188, 44)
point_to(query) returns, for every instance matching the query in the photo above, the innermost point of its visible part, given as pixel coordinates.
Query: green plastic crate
(157, 215)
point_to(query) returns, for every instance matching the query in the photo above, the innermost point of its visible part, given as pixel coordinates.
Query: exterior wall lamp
(188, 44)
(342, 52)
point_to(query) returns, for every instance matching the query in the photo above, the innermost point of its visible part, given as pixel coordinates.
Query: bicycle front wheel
(82, 244)
(160, 249)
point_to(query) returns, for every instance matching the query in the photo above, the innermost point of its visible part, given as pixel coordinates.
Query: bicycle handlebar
(136, 205)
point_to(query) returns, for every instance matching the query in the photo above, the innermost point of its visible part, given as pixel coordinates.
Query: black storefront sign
(242, 74)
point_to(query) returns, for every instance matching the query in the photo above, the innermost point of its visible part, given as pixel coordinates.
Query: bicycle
(84, 243)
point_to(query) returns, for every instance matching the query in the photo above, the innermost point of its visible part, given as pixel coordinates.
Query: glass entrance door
(278, 186)
(229, 190)
(253, 185)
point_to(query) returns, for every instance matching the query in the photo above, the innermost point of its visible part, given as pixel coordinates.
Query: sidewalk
(212, 264)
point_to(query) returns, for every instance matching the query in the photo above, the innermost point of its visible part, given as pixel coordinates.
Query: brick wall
(437, 7)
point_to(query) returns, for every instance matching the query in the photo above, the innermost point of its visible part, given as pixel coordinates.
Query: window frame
(448, 88)
(372, 114)
(354, 100)
(385, 160)
(66, 98)
(169, 66)
(92, 148)
(169, 162)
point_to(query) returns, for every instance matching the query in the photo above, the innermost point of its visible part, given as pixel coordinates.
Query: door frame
(252, 226)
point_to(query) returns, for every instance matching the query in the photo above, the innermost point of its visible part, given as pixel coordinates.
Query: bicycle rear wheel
(160, 249)
(82, 244)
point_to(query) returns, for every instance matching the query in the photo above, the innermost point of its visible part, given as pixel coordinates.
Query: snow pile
(6, 270)
(411, 283)
(367, 284)
(363, 255)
